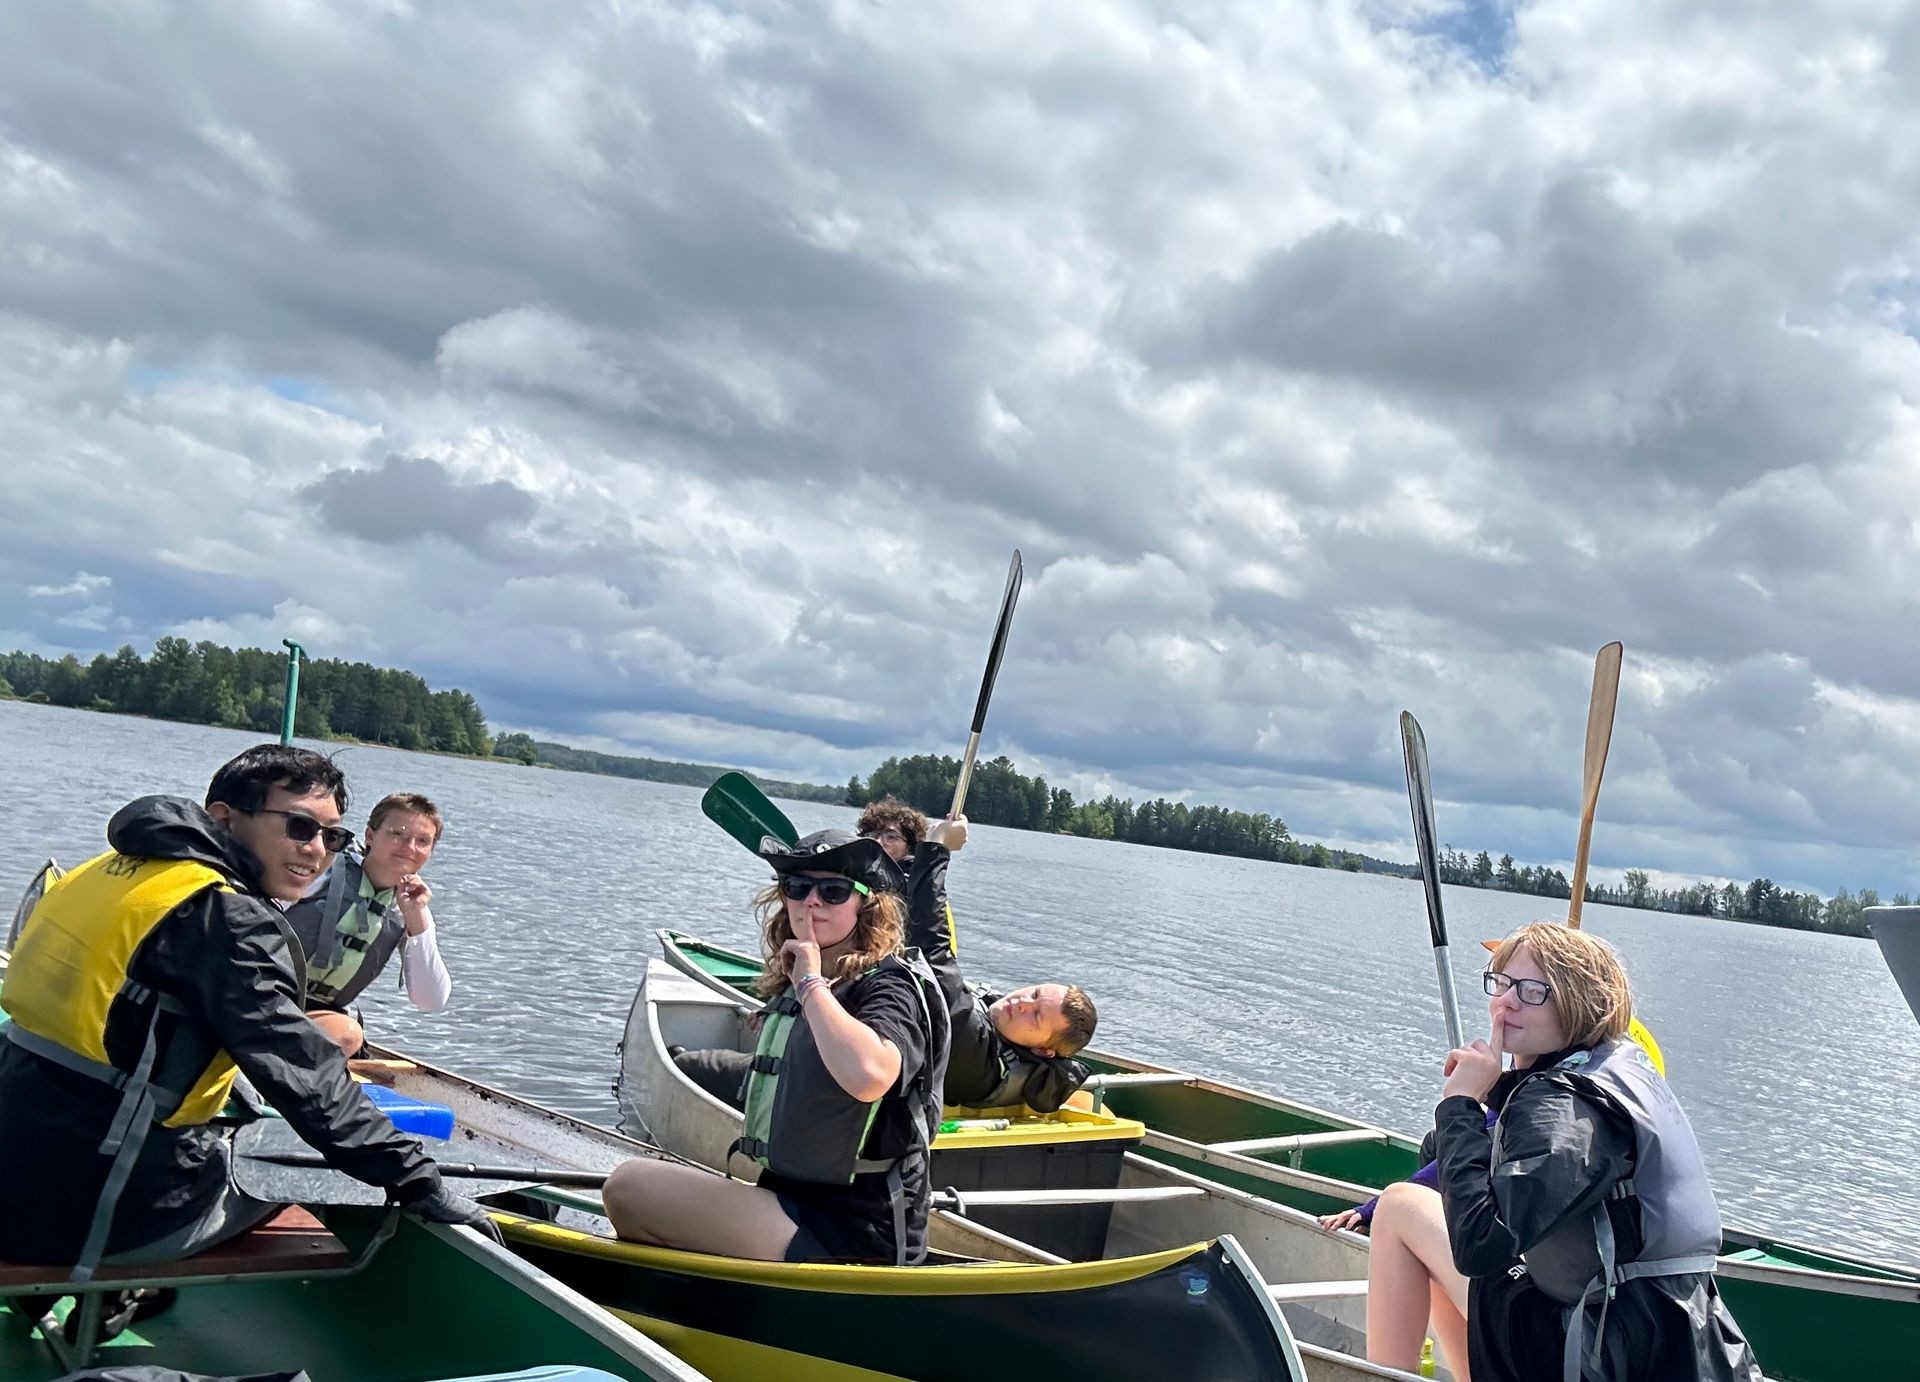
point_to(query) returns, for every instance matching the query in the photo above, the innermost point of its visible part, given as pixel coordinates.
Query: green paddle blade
(742, 810)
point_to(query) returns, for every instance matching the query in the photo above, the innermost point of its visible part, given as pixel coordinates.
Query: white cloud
(83, 583)
(679, 377)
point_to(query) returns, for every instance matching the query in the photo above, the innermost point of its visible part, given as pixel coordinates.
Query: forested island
(204, 683)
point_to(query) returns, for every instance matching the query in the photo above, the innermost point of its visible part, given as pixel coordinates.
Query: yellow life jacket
(72, 961)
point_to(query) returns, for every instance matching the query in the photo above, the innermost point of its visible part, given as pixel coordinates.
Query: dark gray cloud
(409, 497)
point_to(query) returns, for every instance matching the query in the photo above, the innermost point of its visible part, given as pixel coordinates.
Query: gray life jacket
(1577, 1263)
(1014, 1075)
(801, 1124)
(348, 930)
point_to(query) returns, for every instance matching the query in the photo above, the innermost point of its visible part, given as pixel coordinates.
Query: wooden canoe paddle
(1606, 694)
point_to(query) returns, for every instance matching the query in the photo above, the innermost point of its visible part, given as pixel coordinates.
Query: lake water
(1794, 1054)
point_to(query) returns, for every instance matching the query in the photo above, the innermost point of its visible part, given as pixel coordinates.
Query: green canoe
(431, 1303)
(1812, 1314)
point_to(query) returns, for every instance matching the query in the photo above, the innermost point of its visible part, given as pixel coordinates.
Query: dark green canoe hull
(1195, 1314)
(422, 1309)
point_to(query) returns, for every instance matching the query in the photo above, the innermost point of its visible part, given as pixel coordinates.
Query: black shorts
(821, 1235)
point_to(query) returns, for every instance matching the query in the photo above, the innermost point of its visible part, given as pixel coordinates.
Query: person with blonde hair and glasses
(1581, 1219)
(843, 1091)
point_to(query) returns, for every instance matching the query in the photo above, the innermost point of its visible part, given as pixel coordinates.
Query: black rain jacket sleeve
(930, 921)
(1562, 1155)
(228, 958)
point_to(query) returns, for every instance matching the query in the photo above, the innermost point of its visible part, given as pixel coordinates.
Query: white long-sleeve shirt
(423, 972)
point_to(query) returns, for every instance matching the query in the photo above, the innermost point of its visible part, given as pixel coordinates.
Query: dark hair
(395, 802)
(244, 780)
(890, 810)
(1076, 1010)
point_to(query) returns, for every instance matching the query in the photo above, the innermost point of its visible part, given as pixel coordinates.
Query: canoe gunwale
(601, 1326)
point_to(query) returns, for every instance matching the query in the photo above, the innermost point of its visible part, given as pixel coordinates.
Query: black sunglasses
(833, 891)
(1533, 992)
(300, 829)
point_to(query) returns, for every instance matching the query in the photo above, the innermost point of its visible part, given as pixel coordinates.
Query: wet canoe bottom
(420, 1311)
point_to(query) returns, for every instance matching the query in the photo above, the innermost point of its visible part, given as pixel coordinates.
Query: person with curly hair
(1012, 1048)
(843, 1092)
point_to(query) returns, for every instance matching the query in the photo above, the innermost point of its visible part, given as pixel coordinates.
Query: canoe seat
(291, 1241)
(291, 1244)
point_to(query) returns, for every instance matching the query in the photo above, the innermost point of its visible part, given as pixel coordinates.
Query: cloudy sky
(679, 378)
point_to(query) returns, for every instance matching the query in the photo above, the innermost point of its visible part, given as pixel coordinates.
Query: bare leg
(340, 1029)
(1408, 1267)
(684, 1207)
(1449, 1328)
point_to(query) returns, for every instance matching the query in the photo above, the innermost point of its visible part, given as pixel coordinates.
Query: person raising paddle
(1583, 1219)
(1008, 1049)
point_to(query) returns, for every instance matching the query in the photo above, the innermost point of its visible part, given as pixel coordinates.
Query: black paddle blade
(1000, 631)
(742, 810)
(1413, 744)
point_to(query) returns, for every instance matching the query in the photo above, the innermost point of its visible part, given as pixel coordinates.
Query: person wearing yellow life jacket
(367, 907)
(843, 1093)
(141, 984)
(1012, 1048)
(1582, 1219)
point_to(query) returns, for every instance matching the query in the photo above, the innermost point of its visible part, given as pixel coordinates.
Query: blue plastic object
(561, 1373)
(416, 1116)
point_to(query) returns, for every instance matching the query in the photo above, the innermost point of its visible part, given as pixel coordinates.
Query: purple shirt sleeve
(1428, 1175)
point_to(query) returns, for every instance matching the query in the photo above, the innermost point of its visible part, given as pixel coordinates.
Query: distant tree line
(206, 684)
(524, 748)
(1000, 794)
(1760, 901)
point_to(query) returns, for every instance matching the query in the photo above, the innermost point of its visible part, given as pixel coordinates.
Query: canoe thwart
(961, 1201)
(1300, 1141)
(1291, 1291)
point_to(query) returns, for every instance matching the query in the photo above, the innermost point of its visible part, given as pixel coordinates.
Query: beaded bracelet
(808, 983)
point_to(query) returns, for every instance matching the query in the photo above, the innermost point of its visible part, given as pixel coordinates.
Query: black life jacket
(802, 1125)
(348, 930)
(988, 1071)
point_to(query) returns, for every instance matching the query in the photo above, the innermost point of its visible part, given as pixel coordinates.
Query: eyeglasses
(1533, 992)
(400, 836)
(300, 829)
(892, 832)
(833, 891)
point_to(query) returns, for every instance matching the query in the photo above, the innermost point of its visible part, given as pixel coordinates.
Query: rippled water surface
(1794, 1054)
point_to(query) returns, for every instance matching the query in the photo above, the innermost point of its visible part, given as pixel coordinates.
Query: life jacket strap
(765, 1063)
(1613, 1274)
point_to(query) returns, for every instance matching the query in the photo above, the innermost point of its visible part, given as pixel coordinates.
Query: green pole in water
(294, 651)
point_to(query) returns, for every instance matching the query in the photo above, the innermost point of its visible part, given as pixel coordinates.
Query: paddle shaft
(1606, 695)
(463, 1170)
(593, 1180)
(1413, 746)
(1001, 628)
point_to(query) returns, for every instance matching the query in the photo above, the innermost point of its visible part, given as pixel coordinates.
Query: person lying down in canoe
(1007, 1049)
(843, 1095)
